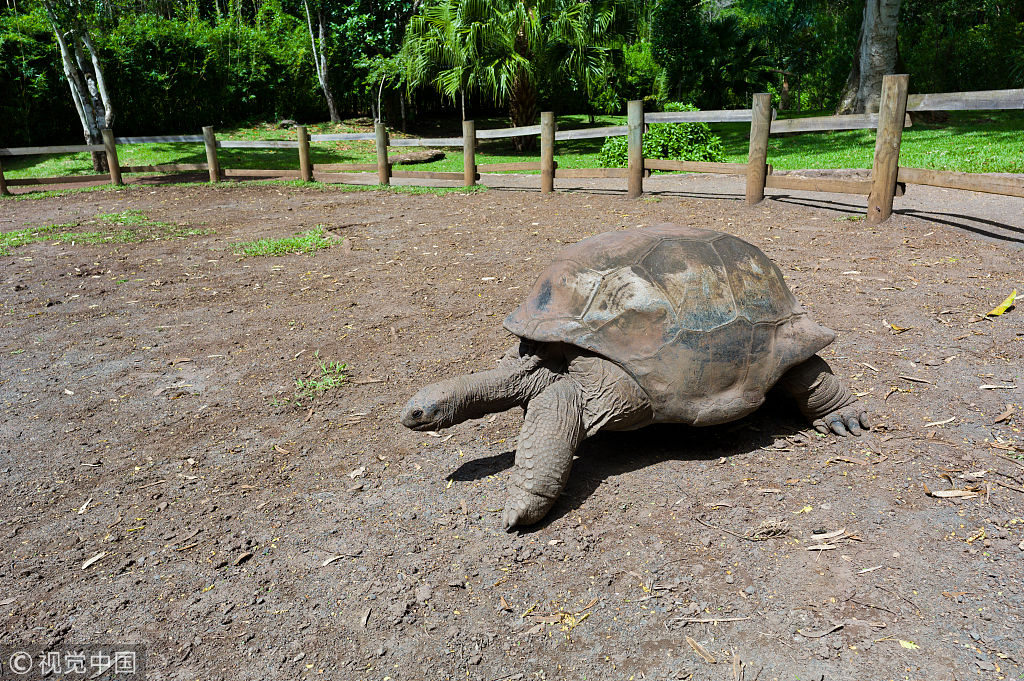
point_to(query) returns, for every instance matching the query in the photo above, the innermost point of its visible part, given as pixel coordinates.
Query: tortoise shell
(702, 320)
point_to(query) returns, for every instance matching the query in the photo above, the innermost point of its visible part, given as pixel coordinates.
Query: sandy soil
(246, 537)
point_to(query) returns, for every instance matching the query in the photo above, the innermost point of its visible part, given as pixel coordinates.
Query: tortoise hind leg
(825, 400)
(551, 432)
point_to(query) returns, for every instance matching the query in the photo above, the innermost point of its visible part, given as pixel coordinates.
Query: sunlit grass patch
(315, 239)
(134, 227)
(126, 217)
(328, 375)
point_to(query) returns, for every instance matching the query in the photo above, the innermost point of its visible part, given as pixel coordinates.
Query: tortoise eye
(417, 413)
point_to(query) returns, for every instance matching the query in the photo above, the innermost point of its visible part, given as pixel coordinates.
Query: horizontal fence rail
(990, 183)
(166, 168)
(591, 172)
(254, 172)
(60, 179)
(828, 123)
(695, 166)
(511, 166)
(967, 101)
(343, 137)
(159, 139)
(432, 174)
(590, 133)
(886, 180)
(818, 184)
(498, 133)
(66, 149)
(427, 142)
(257, 144)
(346, 167)
(722, 116)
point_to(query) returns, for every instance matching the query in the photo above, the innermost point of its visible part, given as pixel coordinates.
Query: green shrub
(679, 141)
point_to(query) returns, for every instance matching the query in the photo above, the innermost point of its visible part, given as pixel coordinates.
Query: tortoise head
(433, 407)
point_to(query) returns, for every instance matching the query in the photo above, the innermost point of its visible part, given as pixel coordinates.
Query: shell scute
(757, 285)
(695, 282)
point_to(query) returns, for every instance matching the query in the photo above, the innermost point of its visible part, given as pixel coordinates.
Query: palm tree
(501, 49)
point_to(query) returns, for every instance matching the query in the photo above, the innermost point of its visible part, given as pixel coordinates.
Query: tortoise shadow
(609, 454)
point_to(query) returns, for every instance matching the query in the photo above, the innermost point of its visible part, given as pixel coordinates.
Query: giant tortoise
(662, 324)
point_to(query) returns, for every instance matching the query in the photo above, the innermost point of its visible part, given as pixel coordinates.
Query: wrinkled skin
(569, 395)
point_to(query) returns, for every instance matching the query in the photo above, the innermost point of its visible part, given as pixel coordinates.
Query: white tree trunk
(876, 56)
(101, 83)
(320, 60)
(85, 80)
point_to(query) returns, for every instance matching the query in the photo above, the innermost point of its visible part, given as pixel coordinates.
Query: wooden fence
(887, 179)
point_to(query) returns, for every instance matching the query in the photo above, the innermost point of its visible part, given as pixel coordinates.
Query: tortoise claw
(853, 425)
(843, 422)
(509, 519)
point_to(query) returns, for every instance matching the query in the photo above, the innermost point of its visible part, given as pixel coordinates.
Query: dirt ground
(244, 536)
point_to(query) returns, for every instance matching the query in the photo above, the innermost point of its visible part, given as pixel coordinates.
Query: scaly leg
(551, 432)
(826, 401)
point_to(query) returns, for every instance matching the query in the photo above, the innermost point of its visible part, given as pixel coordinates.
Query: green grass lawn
(971, 141)
(986, 141)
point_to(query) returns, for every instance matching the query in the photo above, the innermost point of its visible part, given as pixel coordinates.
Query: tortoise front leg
(551, 432)
(825, 400)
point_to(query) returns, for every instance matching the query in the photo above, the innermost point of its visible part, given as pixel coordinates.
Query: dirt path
(246, 537)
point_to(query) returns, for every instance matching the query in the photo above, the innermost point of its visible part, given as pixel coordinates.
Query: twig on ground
(901, 597)
(701, 650)
(735, 534)
(872, 605)
(709, 620)
(819, 634)
(1009, 486)
(1010, 459)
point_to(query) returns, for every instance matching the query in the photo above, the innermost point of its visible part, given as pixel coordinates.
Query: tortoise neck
(512, 384)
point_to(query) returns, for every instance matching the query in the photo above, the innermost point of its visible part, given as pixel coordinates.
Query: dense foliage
(177, 71)
(678, 141)
(172, 67)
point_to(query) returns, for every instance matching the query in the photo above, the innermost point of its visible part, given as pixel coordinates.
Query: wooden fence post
(383, 169)
(4, 191)
(547, 152)
(891, 112)
(635, 148)
(110, 147)
(305, 166)
(211, 153)
(757, 157)
(469, 153)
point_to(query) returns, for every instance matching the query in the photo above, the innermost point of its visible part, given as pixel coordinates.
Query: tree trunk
(320, 59)
(85, 79)
(876, 55)
(523, 109)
